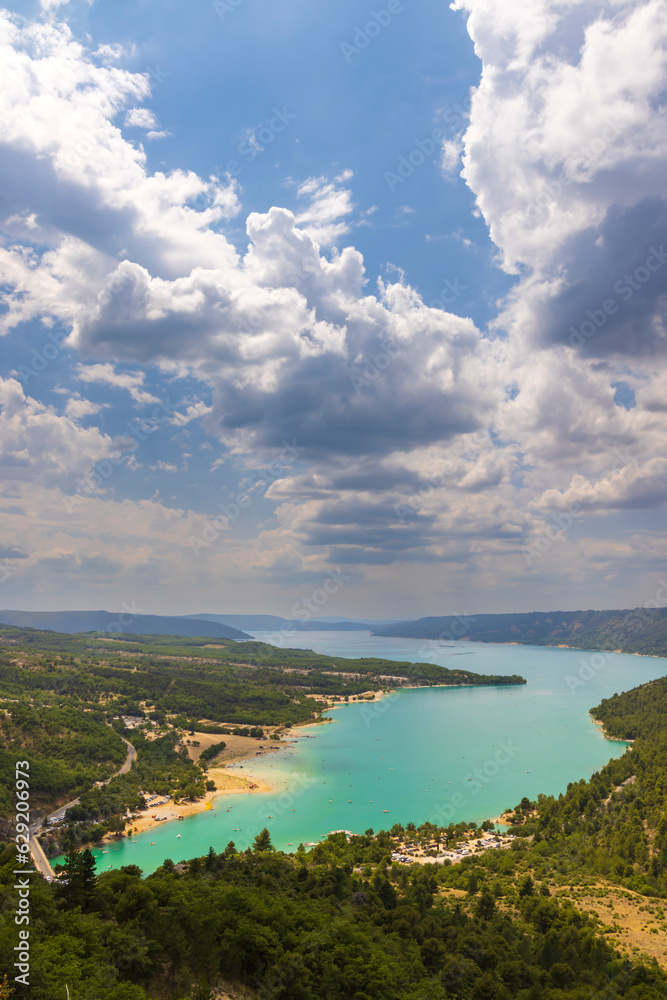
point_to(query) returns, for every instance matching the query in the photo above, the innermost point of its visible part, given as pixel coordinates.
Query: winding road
(36, 851)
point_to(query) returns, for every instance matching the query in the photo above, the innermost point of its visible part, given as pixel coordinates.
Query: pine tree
(78, 885)
(262, 842)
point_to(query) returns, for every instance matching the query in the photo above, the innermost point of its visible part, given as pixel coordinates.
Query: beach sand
(239, 748)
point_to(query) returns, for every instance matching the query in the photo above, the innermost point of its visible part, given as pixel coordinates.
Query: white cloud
(144, 118)
(566, 122)
(325, 220)
(105, 374)
(76, 407)
(193, 412)
(37, 445)
(140, 118)
(452, 150)
(375, 390)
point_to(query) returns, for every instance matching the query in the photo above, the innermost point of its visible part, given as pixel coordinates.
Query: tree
(486, 906)
(527, 887)
(77, 887)
(262, 842)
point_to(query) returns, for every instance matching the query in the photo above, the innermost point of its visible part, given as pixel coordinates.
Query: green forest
(343, 921)
(637, 630)
(63, 699)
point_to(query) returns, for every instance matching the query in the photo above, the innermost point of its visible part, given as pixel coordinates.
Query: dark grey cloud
(316, 405)
(11, 552)
(30, 184)
(614, 299)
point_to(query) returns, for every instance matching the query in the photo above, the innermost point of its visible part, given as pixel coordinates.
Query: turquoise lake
(439, 754)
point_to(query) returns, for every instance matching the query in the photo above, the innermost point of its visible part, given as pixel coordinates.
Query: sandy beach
(239, 748)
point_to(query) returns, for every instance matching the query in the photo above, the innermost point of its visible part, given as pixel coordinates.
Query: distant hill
(272, 623)
(253, 623)
(642, 630)
(129, 624)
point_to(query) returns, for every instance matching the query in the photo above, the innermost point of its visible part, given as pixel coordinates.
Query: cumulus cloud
(76, 407)
(105, 374)
(419, 439)
(40, 446)
(565, 152)
(140, 118)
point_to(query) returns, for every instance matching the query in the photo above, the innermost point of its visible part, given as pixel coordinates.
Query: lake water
(439, 754)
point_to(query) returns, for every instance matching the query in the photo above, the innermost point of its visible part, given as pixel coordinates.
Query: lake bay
(439, 754)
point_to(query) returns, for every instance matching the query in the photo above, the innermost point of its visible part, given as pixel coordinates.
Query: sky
(358, 306)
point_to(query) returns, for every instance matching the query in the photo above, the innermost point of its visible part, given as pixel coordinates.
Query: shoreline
(513, 642)
(238, 750)
(613, 739)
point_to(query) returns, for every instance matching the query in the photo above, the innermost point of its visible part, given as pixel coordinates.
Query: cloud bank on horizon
(220, 406)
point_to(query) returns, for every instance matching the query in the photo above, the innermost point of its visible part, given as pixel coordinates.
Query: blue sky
(324, 287)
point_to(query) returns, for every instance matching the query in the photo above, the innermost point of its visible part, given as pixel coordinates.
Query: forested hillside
(341, 924)
(62, 697)
(345, 921)
(642, 630)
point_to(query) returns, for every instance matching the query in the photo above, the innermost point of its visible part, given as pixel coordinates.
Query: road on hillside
(38, 856)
